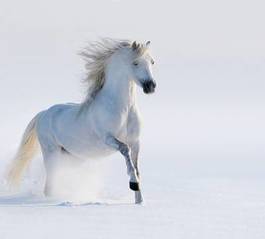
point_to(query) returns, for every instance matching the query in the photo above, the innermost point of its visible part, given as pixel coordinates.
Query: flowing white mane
(96, 55)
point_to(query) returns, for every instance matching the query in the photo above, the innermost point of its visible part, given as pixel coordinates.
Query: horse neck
(119, 88)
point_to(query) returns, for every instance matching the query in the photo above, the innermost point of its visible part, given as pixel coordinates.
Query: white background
(203, 135)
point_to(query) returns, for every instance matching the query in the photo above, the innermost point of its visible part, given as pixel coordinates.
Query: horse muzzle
(149, 86)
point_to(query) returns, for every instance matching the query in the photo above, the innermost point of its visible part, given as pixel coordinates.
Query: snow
(183, 209)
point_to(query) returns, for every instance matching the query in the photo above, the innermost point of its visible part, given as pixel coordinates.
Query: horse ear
(134, 45)
(148, 44)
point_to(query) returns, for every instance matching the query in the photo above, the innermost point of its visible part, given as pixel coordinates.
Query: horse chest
(130, 129)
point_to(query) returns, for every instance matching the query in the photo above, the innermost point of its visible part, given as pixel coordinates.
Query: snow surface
(195, 208)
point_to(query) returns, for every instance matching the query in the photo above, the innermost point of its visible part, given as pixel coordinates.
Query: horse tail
(28, 148)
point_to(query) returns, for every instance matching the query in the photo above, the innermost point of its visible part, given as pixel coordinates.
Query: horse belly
(87, 143)
(93, 151)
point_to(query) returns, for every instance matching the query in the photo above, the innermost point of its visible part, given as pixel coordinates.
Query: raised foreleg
(125, 150)
(134, 156)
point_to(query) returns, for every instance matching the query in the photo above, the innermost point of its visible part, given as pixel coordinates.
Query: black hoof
(134, 186)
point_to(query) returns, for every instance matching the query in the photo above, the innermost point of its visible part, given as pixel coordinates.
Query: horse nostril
(149, 86)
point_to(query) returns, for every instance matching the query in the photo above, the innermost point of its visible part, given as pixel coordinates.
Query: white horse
(106, 122)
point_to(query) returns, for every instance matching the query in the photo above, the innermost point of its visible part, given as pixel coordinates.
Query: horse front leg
(125, 150)
(134, 156)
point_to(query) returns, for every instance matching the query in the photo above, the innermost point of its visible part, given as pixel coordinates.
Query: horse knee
(124, 149)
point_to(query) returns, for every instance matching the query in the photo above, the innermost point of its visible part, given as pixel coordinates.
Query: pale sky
(187, 28)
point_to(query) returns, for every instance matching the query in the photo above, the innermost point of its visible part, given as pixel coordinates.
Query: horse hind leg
(50, 160)
(48, 192)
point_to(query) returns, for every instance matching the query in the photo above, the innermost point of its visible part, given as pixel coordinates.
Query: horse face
(142, 72)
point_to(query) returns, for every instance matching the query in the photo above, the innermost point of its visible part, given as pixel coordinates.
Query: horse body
(107, 124)
(83, 136)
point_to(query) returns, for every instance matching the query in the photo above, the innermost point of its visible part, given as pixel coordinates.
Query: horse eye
(152, 62)
(135, 63)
